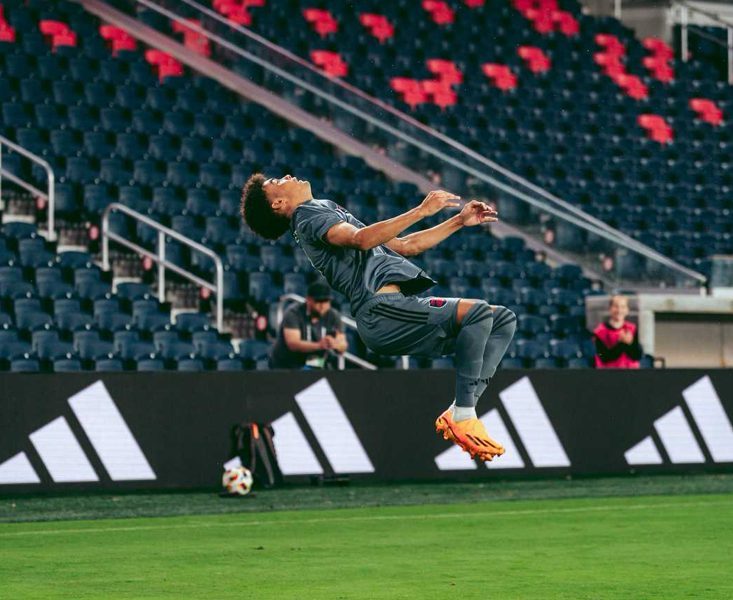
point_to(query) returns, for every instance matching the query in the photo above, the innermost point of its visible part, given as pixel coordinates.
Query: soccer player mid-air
(367, 264)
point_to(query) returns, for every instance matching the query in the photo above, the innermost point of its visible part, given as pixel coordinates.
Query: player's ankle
(463, 413)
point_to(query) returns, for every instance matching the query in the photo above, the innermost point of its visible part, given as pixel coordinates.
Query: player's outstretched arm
(473, 213)
(371, 236)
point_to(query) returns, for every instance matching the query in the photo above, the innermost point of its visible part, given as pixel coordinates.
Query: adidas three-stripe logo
(63, 456)
(533, 427)
(677, 437)
(333, 432)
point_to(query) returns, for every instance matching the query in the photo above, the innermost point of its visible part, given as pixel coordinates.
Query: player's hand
(625, 337)
(436, 201)
(476, 212)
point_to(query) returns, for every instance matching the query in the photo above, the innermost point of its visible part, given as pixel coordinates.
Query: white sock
(462, 413)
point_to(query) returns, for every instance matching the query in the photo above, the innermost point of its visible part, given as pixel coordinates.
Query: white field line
(236, 518)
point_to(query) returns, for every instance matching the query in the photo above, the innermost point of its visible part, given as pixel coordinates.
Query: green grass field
(664, 537)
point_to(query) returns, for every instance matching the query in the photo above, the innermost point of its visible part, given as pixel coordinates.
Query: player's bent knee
(474, 311)
(505, 321)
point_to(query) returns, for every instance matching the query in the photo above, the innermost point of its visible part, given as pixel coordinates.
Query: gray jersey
(357, 274)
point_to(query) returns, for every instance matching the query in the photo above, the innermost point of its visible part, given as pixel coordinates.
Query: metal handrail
(51, 178)
(348, 321)
(217, 287)
(555, 206)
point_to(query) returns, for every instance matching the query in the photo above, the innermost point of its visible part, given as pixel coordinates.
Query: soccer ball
(237, 481)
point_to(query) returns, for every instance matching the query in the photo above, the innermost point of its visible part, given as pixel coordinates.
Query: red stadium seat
(321, 20)
(51, 28)
(657, 128)
(118, 38)
(500, 75)
(157, 57)
(330, 62)
(67, 38)
(378, 25)
(165, 64)
(313, 15)
(370, 20)
(659, 62)
(414, 98)
(610, 43)
(658, 47)
(172, 69)
(537, 61)
(565, 23)
(446, 71)
(541, 20)
(111, 32)
(7, 33)
(445, 98)
(440, 12)
(403, 85)
(707, 111)
(632, 86)
(192, 39)
(237, 13)
(127, 43)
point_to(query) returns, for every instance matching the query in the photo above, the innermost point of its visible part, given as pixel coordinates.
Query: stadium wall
(124, 431)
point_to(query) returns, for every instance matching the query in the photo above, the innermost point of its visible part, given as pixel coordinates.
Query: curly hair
(257, 212)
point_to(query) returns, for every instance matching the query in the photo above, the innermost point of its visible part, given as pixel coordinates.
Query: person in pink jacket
(616, 339)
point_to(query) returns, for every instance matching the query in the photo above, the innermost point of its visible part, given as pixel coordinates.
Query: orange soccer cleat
(470, 435)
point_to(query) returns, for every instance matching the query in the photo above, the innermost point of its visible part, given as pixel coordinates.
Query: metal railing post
(684, 33)
(49, 195)
(105, 240)
(1, 174)
(617, 9)
(219, 294)
(159, 256)
(161, 266)
(730, 55)
(51, 204)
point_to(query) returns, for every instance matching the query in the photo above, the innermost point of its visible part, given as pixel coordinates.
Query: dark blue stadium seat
(511, 363)
(150, 364)
(66, 365)
(190, 365)
(25, 365)
(253, 349)
(545, 363)
(108, 364)
(528, 349)
(132, 291)
(229, 364)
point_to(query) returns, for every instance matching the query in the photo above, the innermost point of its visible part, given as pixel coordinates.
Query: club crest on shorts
(438, 302)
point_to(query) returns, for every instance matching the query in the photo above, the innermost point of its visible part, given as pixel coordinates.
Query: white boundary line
(312, 521)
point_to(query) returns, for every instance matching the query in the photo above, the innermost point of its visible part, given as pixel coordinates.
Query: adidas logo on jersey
(532, 425)
(63, 456)
(675, 431)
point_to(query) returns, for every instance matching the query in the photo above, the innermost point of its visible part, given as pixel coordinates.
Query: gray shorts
(395, 324)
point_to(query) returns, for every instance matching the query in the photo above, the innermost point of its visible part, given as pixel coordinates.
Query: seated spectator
(616, 339)
(309, 333)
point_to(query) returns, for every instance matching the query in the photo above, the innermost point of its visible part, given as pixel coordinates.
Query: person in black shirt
(309, 332)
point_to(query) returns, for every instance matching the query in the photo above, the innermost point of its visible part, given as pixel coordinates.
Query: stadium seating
(51, 319)
(124, 123)
(572, 102)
